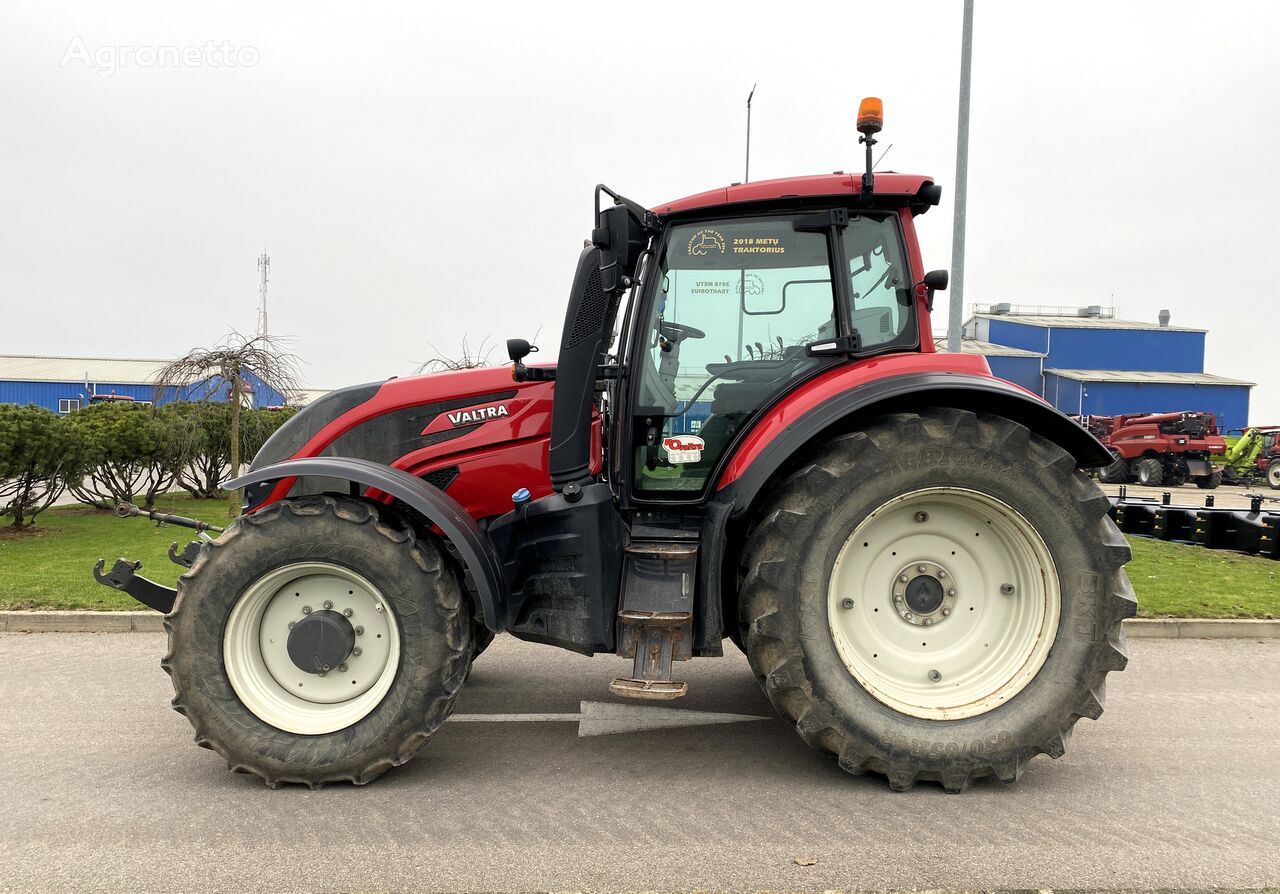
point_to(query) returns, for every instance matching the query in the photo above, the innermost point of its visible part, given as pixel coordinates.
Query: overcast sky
(418, 173)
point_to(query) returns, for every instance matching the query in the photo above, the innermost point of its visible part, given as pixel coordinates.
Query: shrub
(129, 451)
(38, 450)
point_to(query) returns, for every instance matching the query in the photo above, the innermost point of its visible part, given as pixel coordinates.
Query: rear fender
(769, 446)
(460, 529)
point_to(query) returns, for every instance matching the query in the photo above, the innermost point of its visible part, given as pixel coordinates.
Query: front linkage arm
(122, 575)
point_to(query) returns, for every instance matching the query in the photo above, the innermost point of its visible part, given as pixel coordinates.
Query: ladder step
(653, 690)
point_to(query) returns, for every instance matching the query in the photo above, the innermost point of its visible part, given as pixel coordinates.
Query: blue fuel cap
(521, 496)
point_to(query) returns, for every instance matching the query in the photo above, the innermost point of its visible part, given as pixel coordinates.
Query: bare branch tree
(229, 360)
(468, 359)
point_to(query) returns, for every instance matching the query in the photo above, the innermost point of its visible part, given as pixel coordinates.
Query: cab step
(655, 622)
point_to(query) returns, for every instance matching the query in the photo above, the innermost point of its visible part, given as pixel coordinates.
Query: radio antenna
(746, 177)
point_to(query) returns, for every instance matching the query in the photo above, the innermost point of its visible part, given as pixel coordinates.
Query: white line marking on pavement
(611, 718)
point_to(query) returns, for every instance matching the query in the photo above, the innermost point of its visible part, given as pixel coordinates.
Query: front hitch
(123, 576)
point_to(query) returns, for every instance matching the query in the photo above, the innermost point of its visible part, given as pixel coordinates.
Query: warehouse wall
(1128, 349)
(1024, 371)
(1014, 335)
(47, 394)
(1229, 402)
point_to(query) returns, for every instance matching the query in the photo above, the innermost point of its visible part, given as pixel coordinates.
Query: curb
(82, 622)
(153, 622)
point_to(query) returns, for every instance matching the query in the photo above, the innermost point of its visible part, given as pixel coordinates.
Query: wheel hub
(321, 641)
(924, 593)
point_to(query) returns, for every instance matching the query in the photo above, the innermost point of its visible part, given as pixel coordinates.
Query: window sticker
(683, 448)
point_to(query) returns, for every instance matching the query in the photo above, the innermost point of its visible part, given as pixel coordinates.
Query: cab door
(735, 316)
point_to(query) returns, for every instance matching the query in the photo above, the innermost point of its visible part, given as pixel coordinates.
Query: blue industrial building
(1086, 362)
(65, 384)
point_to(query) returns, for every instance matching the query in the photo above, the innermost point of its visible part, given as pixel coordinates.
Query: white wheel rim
(255, 649)
(993, 627)
(1273, 473)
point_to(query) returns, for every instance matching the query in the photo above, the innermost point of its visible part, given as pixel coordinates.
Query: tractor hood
(408, 421)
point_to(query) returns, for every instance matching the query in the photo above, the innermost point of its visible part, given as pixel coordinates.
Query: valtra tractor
(925, 581)
(1155, 449)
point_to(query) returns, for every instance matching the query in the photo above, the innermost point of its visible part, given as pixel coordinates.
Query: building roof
(1143, 377)
(839, 184)
(1070, 321)
(29, 368)
(985, 348)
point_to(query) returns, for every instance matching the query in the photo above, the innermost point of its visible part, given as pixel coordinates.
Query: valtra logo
(683, 448)
(474, 415)
(471, 416)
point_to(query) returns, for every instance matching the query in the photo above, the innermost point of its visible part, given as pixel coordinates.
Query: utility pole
(264, 272)
(746, 177)
(955, 317)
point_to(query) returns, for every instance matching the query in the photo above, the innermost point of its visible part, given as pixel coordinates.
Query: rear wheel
(958, 605)
(318, 641)
(1150, 472)
(1273, 474)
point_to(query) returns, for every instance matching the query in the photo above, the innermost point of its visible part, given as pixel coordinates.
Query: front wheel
(318, 641)
(1273, 474)
(938, 596)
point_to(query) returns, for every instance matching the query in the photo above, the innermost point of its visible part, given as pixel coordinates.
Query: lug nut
(946, 612)
(327, 605)
(342, 667)
(922, 568)
(922, 517)
(292, 624)
(846, 602)
(1006, 589)
(324, 667)
(935, 676)
(357, 651)
(941, 573)
(306, 609)
(928, 621)
(898, 599)
(346, 613)
(951, 591)
(359, 630)
(902, 578)
(909, 616)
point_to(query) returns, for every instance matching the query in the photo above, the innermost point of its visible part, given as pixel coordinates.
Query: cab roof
(838, 184)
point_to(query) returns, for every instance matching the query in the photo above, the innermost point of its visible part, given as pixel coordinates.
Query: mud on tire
(418, 584)
(806, 520)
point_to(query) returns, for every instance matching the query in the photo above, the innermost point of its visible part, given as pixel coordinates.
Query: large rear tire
(394, 603)
(937, 597)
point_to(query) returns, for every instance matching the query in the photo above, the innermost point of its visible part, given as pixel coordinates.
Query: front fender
(778, 436)
(472, 544)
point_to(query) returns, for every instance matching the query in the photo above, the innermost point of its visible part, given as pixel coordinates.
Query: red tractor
(1155, 449)
(925, 582)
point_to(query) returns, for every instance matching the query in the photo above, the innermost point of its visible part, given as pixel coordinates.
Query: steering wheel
(678, 331)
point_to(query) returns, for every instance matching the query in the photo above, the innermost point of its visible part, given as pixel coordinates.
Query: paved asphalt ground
(1178, 786)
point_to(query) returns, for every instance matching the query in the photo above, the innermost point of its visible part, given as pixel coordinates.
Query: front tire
(398, 601)
(972, 674)
(1150, 472)
(1273, 474)
(1212, 481)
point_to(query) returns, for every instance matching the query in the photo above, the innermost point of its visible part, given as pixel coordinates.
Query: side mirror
(935, 281)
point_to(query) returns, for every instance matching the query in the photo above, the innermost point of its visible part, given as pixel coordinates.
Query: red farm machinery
(1160, 449)
(747, 435)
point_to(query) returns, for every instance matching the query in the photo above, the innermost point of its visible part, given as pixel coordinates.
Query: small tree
(128, 451)
(206, 428)
(37, 452)
(229, 361)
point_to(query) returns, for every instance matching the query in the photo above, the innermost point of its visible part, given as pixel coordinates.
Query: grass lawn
(50, 569)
